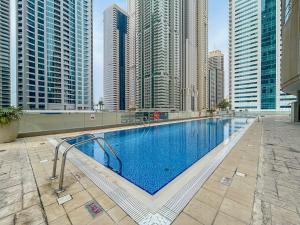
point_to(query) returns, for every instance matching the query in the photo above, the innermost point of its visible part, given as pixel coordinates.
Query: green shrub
(7, 115)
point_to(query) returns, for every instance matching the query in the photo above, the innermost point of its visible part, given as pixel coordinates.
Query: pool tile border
(172, 208)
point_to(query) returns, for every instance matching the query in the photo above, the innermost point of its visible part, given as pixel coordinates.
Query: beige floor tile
(33, 216)
(184, 219)
(223, 219)
(10, 209)
(9, 220)
(78, 200)
(116, 213)
(63, 220)
(86, 182)
(210, 198)
(95, 191)
(103, 219)
(30, 199)
(54, 211)
(105, 202)
(215, 186)
(201, 212)
(240, 195)
(127, 221)
(236, 210)
(80, 216)
(72, 189)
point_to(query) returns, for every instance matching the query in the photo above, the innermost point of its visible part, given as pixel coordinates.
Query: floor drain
(270, 144)
(226, 181)
(2, 150)
(94, 208)
(42, 143)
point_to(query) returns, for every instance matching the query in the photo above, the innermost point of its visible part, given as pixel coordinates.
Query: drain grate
(226, 181)
(93, 208)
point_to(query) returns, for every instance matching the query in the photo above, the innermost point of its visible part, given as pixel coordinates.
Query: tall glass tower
(254, 56)
(54, 54)
(4, 53)
(116, 80)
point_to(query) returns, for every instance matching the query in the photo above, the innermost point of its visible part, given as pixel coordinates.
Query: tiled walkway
(27, 196)
(277, 200)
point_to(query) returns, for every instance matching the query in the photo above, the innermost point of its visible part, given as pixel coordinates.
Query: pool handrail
(53, 177)
(62, 170)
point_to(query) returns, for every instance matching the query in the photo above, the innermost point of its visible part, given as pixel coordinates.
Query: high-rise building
(189, 53)
(132, 51)
(5, 53)
(55, 54)
(215, 77)
(255, 53)
(158, 54)
(202, 45)
(116, 79)
(290, 74)
(171, 54)
(212, 89)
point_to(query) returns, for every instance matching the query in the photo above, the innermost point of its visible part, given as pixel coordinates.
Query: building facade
(158, 54)
(116, 78)
(132, 51)
(202, 48)
(55, 54)
(290, 74)
(254, 54)
(189, 62)
(171, 54)
(5, 77)
(216, 77)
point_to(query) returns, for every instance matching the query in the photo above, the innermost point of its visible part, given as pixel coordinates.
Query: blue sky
(217, 37)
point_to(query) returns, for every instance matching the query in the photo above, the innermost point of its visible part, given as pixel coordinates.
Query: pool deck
(269, 193)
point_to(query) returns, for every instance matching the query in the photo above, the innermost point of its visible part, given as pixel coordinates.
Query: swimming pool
(153, 156)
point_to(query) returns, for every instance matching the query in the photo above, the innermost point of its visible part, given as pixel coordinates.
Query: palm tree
(224, 104)
(101, 104)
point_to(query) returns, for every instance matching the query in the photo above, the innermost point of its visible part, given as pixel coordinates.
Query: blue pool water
(153, 156)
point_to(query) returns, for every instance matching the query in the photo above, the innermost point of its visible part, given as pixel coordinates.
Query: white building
(116, 79)
(254, 56)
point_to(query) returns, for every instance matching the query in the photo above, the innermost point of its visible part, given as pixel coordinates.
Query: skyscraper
(158, 54)
(55, 54)
(189, 53)
(202, 45)
(116, 79)
(194, 55)
(216, 78)
(4, 53)
(255, 53)
(132, 51)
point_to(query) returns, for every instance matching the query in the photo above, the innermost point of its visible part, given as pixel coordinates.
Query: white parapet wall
(50, 122)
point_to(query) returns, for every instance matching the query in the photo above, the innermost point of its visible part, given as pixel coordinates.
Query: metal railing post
(53, 177)
(62, 170)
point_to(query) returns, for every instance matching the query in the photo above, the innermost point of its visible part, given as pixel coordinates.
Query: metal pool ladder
(62, 170)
